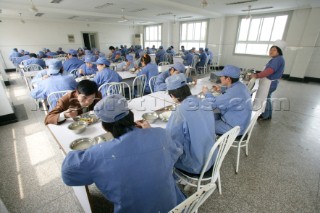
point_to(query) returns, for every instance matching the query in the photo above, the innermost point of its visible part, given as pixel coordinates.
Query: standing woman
(273, 71)
(149, 69)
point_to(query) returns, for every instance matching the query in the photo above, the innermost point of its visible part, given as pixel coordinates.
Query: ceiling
(142, 11)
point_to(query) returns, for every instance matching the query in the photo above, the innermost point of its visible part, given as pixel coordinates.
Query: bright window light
(193, 34)
(152, 36)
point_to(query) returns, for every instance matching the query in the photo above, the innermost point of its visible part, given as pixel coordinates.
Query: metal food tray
(165, 110)
(88, 117)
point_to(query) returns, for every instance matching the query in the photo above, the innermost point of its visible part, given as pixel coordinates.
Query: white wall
(35, 35)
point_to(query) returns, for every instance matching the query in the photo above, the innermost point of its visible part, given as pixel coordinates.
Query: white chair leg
(247, 149)
(219, 184)
(238, 157)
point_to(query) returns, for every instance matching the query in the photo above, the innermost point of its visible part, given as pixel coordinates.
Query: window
(257, 34)
(152, 36)
(193, 34)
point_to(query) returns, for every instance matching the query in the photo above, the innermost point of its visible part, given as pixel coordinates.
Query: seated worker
(88, 68)
(72, 61)
(190, 126)
(56, 82)
(209, 54)
(187, 58)
(133, 170)
(160, 55)
(82, 100)
(60, 51)
(104, 74)
(43, 74)
(50, 54)
(202, 58)
(160, 84)
(149, 69)
(117, 57)
(24, 57)
(34, 60)
(112, 53)
(129, 63)
(234, 103)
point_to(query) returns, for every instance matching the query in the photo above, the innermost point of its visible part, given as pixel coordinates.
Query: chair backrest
(249, 129)
(53, 98)
(33, 67)
(152, 82)
(115, 88)
(224, 143)
(192, 203)
(251, 83)
(195, 60)
(138, 86)
(74, 72)
(261, 94)
(163, 63)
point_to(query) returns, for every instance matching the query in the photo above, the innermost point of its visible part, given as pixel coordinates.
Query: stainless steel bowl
(81, 144)
(165, 116)
(77, 126)
(151, 117)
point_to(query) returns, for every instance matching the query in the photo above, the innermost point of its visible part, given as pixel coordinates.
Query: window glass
(193, 34)
(152, 36)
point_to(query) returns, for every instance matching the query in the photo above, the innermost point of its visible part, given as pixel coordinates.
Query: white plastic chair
(192, 203)
(74, 72)
(53, 98)
(138, 86)
(211, 174)
(195, 60)
(152, 82)
(163, 63)
(33, 67)
(204, 69)
(243, 141)
(115, 88)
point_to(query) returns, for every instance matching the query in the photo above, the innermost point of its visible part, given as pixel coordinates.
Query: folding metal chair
(138, 86)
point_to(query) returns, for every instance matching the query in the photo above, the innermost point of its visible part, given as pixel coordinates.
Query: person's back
(150, 70)
(106, 76)
(71, 64)
(187, 59)
(35, 60)
(191, 126)
(133, 170)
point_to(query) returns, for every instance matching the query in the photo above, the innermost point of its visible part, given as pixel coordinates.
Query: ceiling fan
(123, 18)
(33, 7)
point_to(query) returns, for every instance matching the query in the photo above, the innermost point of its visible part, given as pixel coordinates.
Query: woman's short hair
(121, 126)
(278, 49)
(181, 93)
(146, 59)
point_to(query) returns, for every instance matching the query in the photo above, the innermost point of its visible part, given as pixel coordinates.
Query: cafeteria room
(219, 95)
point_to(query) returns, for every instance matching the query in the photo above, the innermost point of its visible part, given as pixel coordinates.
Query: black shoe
(261, 118)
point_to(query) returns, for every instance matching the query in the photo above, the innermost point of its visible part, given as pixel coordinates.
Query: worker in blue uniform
(105, 75)
(202, 58)
(187, 58)
(56, 82)
(190, 126)
(88, 68)
(149, 69)
(160, 55)
(160, 84)
(133, 170)
(234, 103)
(72, 61)
(209, 54)
(34, 60)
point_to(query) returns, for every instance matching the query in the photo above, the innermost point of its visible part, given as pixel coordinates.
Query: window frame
(145, 35)
(194, 41)
(265, 15)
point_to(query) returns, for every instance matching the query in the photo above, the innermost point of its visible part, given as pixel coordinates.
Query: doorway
(90, 40)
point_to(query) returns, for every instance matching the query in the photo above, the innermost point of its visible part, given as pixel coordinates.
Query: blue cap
(89, 59)
(176, 81)
(206, 49)
(200, 49)
(72, 52)
(112, 108)
(41, 54)
(54, 66)
(230, 71)
(102, 60)
(179, 66)
(161, 47)
(129, 57)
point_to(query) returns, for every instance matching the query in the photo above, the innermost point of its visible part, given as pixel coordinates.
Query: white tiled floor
(281, 173)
